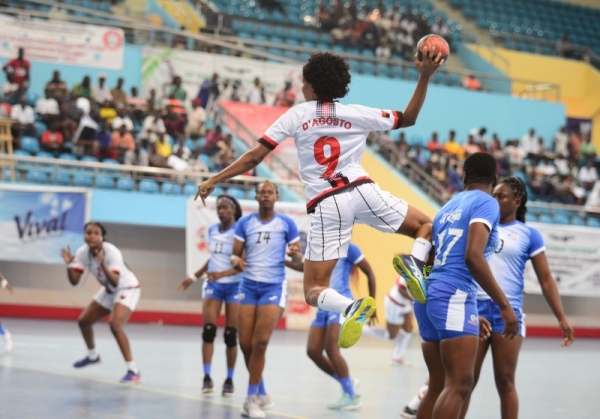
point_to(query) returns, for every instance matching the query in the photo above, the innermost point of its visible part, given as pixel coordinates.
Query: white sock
(376, 332)
(132, 367)
(331, 300)
(421, 249)
(93, 354)
(416, 401)
(400, 344)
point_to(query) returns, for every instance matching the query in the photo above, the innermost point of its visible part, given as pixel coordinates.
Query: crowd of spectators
(565, 172)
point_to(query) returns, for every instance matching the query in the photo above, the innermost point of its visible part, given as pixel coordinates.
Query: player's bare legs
(118, 319)
(91, 315)
(316, 279)
(482, 350)
(437, 378)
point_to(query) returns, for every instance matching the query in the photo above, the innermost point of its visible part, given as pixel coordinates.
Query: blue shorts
(491, 312)
(325, 318)
(448, 313)
(261, 293)
(221, 292)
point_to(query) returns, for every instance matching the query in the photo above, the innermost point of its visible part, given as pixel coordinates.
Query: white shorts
(332, 221)
(396, 310)
(128, 297)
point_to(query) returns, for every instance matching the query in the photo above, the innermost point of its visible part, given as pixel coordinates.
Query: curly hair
(520, 191)
(328, 74)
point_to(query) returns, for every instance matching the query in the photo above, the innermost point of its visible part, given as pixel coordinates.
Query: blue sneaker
(413, 272)
(227, 388)
(207, 385)
(132, 377)
(358, 313)
(86, 361)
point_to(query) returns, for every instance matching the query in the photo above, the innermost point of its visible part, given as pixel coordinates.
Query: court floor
(37, 379)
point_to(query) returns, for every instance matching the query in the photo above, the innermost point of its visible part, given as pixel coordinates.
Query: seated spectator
(25, 117)
(186, 153)
(47, 109)
(154, 158)
(103, 143)
(83, 89)
(588, 175)
(561, 142)
(593, 199)
(256, 95)
(138, 106)
(562, 165)
(107, 112)
(5, 108)
(471, 83)
(11, 90)
(196, 120)
(153, 127)
(405, 44)
(153, 101)
(286, 97)
(417, 158)
(530, 144)
(176, 91)
(85, 135)
(455, 182)
(56, 88)
(122, 142)
(453, 148)
(20, 68)
(497, 151)
(52, 140)
(226, 154)
(174, 122)
(212, 140)
(433, 143)
(122, 117)
(440, 28)
(101, 93)
(516, 155)
(68, 124)
(163, 148)
(402, 150)
(566, 191)
(587, 151)
(471, 147)
(119, 96)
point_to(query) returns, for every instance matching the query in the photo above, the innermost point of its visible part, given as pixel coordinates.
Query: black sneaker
(227, 388)
(207, 387)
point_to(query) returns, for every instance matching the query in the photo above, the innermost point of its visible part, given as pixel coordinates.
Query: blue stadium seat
(593, 222)
(111, 162)
(577, 221)
(190, 189)
(83, 180)
(558, 218)
(60, 178)
(35, 176)
(218, 191)
(40, 128)
(30, 144)
(171, 188)
(189, 143)
(148, 186)
(125, 184)
(68, 156)
(204, 158)
(105, 182)
(545, 218)
(236, 193)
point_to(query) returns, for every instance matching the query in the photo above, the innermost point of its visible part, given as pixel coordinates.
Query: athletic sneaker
(265, 402)
(411, 270)
(356, 315)
(408, 413)
(8, 343)
(346, 403)
(227, 388)
(207, 386)
(251, 408)
(86, 361)
(132, 377)
(401, 361)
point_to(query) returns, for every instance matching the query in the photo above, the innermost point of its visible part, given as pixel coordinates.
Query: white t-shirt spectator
(9, 88)
(530, 144)
(588, 175)
(255, 96)
(185, 154)
(561, 142)
(178, 163)
(47, 106)
(83, 104)
(593, 201)
(196, 118)
(547, 169)
(150, 123)
(101, 94)
(408, 25)
(118, 121)
(23, 114)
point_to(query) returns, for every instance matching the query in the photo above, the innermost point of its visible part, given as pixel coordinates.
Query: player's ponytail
(520, 191)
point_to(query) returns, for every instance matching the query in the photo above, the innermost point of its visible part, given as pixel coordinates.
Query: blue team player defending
(265, 236)
(464, 236)
(221, 283)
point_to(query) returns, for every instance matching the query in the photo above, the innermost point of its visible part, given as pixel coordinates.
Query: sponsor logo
(451, 216)
(272, 298)
(473, 320)
(240, 296)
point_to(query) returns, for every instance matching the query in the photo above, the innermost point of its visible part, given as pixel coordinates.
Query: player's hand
(204, 189)
(185, 284)
(214, 276)
(373, 319)
(295, 253)
(99, 254)
(66, 254)
(568, 333)
(485, 328)
(238, 263)
(431, 62)
(511, 323)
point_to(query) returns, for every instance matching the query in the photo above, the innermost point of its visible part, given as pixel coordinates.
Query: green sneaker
(346, 403)
(412, 271)
(358, 313)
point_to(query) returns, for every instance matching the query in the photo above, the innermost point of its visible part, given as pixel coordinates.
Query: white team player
(330, 138)
(118, 296)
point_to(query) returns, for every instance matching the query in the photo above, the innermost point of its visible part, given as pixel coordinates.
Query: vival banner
(200, 218)
(574, 257)
(62, 42)
(36, 222)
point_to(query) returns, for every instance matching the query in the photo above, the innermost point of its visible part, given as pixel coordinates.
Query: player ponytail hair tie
(228, 200)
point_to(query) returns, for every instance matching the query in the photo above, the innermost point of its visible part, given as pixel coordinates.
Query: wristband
(3, 283)
(194, 278)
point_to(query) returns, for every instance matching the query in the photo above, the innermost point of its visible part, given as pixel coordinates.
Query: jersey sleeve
(487, 212)
(536, 243)
(113, 258)
(281, 130)
(355, 256)
(81, 259)
(240, 229)
(292, 231)
(379, 120)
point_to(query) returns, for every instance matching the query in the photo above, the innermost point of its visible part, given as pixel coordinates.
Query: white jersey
(330, 138)
(394, 292)
(113, 259)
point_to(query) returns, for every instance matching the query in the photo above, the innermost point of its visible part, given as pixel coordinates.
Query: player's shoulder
(534, 233)
(84, 248)
(109, 247)
(245, 218)
(214, 228)
(285, 218)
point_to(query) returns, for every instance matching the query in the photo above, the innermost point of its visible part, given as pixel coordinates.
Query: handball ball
(435, 44)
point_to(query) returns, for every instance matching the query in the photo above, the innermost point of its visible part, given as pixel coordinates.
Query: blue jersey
(221, 248)
(266, 245)
(518, 243)
(450, 232)
(340, 277)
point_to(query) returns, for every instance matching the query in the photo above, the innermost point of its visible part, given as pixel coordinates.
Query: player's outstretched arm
(247, 161)
(73, 275)
(426, 69)
(550, 292)
(478, 267)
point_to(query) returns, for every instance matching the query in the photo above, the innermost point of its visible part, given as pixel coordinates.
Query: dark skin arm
(550, 292)
(236, 256)
(477, 239)
(73, 274)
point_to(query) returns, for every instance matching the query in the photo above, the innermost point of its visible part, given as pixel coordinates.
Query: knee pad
(209, 333)
(230, 337)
